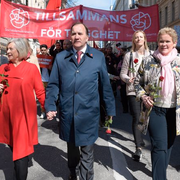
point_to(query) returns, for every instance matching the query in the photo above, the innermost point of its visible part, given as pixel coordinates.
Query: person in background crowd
(102, 105)
(122, 84)
(159, 74)
(67, 44)
(108, 52)
(18, 109)
(38, 51)
(3, 59)
(131, 63)
(31, 58)
(55, 48)
(111, 61)
(45, 73)
(77, 79)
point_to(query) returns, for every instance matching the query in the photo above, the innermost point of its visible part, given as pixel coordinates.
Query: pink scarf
(167, 72)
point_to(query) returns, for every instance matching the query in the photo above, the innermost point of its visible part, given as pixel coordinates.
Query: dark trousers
(124, 98)
(162, 131)
(21, 168)
(83, 157)
(134, 106)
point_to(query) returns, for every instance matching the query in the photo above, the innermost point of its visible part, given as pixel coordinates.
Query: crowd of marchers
(82, 83)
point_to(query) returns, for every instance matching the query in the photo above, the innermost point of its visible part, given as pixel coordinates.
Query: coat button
(77, 71)
(76, 92)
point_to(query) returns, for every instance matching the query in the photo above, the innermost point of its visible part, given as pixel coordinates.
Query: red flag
(52, 5)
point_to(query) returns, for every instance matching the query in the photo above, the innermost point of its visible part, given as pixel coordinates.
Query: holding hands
(51, 114)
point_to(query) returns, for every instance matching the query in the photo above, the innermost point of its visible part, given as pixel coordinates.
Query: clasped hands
(51, 114)
(147, 100)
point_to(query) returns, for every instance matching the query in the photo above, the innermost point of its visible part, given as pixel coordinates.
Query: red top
(18, 109)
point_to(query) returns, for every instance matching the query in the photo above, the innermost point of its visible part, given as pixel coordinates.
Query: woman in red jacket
(18, 111)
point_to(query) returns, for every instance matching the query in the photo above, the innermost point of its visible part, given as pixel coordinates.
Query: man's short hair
(43, 46)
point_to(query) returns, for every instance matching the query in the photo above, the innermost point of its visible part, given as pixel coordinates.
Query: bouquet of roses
(4, 80)
(153, 90)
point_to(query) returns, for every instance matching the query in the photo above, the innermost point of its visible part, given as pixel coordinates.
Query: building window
(166, 15)
(173, 11)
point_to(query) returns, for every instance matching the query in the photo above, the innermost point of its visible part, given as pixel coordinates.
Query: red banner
(23, 21)
(44, 61)
(53, 5)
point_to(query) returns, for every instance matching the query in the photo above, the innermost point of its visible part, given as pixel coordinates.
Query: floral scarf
(166, 72)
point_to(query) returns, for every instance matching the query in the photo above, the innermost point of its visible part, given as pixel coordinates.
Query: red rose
(161, 78)
(5, 92)
(136, 61)
(108, 131)
(3, 82)
(6, 68)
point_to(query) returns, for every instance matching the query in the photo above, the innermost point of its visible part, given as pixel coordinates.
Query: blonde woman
(18, 109)
(131, 63)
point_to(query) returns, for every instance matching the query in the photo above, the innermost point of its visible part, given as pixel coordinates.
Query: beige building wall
(169, 13)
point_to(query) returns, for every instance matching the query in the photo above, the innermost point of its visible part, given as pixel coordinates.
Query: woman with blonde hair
(18, 110)
(158, 86)
(130, 66)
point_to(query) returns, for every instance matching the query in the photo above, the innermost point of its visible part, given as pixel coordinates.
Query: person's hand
(148, 102)
(51, 114)
(131, 80)
(116, 78)
(1, 88)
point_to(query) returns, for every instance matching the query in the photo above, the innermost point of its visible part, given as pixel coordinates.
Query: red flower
(108, 131)
(108, 121)
(161, 78)
(136, 61)
(6, 68)
(4, 82)
(5, 92)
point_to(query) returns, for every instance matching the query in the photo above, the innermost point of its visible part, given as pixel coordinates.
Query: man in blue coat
(79, 86)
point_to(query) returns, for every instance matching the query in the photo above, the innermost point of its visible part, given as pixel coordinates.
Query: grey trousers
(82, 159)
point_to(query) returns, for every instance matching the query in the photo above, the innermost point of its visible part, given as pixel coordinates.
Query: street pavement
(112, 154)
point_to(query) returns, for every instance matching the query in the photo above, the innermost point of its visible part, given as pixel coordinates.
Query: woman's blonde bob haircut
(133, 49)
(171, 32)
(21, 47)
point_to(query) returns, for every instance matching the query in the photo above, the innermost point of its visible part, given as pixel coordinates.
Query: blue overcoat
(79, 87)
